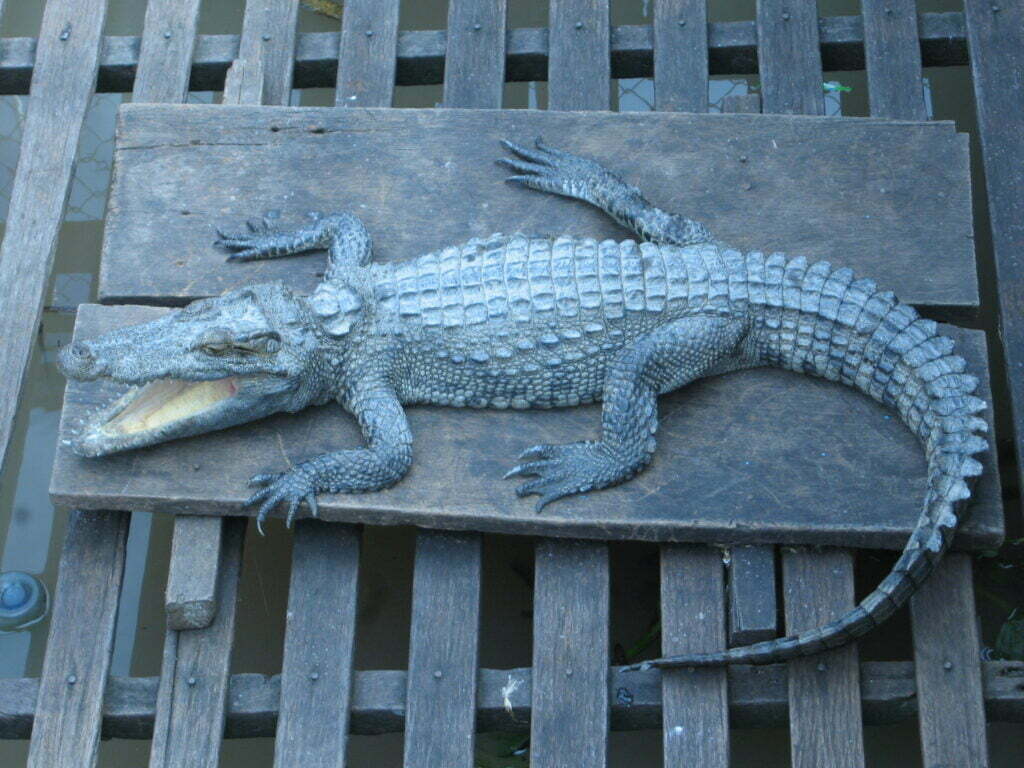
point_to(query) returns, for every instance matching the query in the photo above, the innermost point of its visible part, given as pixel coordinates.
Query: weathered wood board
(890, 199)
(757, 456)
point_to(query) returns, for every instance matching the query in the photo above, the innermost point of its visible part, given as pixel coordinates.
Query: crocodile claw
(547, 169)
(564, 470)
(292, 487)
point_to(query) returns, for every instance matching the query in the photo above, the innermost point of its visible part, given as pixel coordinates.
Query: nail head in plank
(441, 698)
(752, 603)
(579, 66)
(192, 698)
(570, 654)
(947, 663)
(62, 83)
(733, 419)
(68, 710)
(191, 595)
(695, 701)
(474, 74)
(366, 62)
(996, 32)
(789, 57)
(824, 689)
(829, 183)
(681, 54)
(893, 59)
(316, 673)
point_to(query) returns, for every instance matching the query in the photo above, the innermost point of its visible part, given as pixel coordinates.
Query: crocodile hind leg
(561, 173)
(665, 359)
(343, 235)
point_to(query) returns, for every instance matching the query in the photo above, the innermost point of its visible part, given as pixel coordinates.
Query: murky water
(31, 531)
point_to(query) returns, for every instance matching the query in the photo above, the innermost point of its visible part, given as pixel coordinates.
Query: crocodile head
(213, 364)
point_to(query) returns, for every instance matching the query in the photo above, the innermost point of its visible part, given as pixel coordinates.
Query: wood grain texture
(181, 172)
(474, 74)
(757, 698)
(66, 732)
(190, 598)
(893, 58)
(680, 29)
(752, 601)
(824, 690)
(789, 57)
(366, 62)
(570, 697)
(192, 698)
(269, 34)
(947, 663)
(316, 673)
(810, 482)
(165, 59)
(996, 32)
(442, 682)
(62, 83)
(579, 66)
(695, 701)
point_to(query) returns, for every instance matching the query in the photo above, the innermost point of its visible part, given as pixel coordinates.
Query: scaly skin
(526, 322)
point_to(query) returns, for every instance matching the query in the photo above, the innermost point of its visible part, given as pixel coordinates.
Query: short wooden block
(889, 199)
(755, 457)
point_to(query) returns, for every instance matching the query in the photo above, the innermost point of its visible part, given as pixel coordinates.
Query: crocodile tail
(821, 321)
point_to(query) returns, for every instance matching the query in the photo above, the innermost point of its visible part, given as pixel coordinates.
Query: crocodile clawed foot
(547, 169)
(293, 487)
(262, 237)
(565, 470)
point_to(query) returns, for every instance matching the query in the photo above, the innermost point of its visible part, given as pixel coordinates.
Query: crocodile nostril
(80, 352)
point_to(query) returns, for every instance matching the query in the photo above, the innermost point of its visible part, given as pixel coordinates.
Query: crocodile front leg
(347, 242)
(661, 361)
(562, 173)
(383, 462)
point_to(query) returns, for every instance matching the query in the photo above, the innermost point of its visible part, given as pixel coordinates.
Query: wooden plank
(570, 655)
(190, 598)
(752, 601)
(62, 83)
(192, 697)
(366, 62)
(269, 35)
(695, 716)
(68, 709)
(695, 701)
(757, 698)
(168, 42)
(579, 67)
(947, 664)
(316, 673)
(443, 655)
(865, 489)
(571, 601)
(441, 698)
(680, 46)
(475, 64)
(421, 52)
(815, 175)
(789, 57)
(824, 690)
(893, 59)
(996, 33)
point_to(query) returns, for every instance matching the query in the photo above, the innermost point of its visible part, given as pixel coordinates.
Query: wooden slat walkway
(569, 695)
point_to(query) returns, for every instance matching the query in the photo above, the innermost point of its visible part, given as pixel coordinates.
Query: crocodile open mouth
(165, 401)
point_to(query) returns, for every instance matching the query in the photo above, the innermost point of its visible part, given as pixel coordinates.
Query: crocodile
(517, 321)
